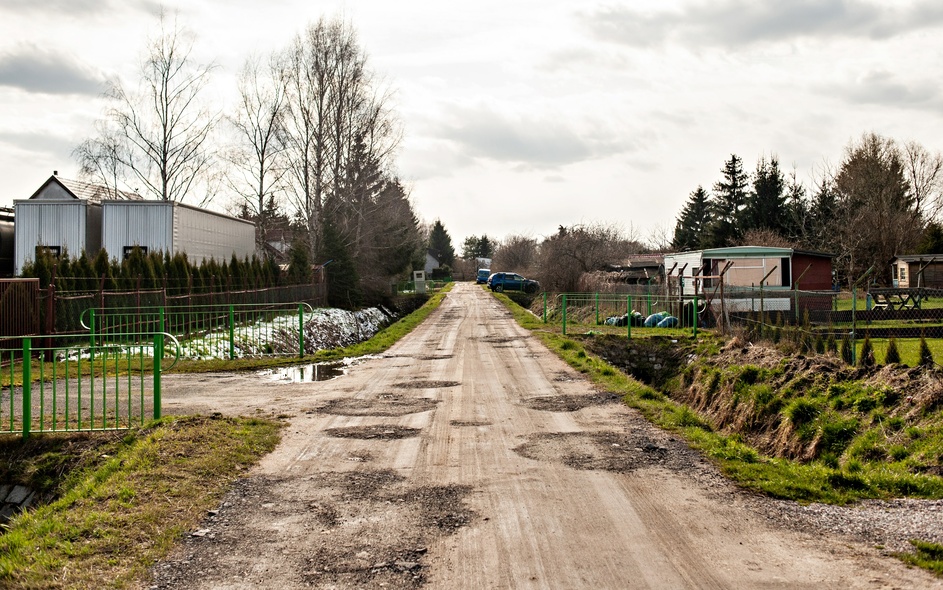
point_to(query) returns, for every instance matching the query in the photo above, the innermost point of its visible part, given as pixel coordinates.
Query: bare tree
(162, 127)
(340, 133)
(258, 163)
(572, 251)
(924, 171)
(516, 253)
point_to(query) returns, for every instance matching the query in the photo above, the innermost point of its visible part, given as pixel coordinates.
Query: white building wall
(693, 262)
(165, 226)
(70, 225)
(148, 224)
(204, 234)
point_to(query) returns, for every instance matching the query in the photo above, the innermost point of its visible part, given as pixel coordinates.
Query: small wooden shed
(917, 271)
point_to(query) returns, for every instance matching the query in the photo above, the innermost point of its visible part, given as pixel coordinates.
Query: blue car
(510, 281)
(483, 274)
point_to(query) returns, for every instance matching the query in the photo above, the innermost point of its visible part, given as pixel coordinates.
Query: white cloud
(32, 68)
(735, 23)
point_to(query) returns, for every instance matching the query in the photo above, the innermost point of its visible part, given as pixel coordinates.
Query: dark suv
(509, 281)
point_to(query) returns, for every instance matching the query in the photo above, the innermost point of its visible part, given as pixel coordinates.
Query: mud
(380, 431)
(389, 404)
(420, 384)
(570, 403)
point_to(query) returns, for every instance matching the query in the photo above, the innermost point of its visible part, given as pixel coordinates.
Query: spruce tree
(892, 355)
(866, 359)
(343, 283)
(926, 355)
(691, 227)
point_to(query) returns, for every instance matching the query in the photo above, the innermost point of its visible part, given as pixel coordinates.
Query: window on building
(903, 273)
(54, 251)
(126, 251)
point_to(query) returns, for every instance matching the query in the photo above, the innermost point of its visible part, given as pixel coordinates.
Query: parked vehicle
(509, 281)
(483, 274)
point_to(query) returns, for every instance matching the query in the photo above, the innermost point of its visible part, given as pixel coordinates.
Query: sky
(520, 116)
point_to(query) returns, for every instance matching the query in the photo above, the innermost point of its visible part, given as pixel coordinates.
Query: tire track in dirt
(510, 480)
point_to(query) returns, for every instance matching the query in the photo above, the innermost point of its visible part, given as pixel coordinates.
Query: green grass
(928, 556)
(117, 502)
(123, 500)
(821, 481)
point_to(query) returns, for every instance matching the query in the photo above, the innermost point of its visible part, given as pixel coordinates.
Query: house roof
(919, 258)
(87, 191)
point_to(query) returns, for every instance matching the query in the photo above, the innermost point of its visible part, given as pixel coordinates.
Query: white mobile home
(166, 226)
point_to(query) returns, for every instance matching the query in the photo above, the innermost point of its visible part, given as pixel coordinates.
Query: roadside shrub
(749, 374)
(831, 346)
(893, 355)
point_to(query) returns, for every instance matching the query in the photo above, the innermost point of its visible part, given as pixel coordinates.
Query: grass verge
(121, 499)
(116, 502)
(804, 482)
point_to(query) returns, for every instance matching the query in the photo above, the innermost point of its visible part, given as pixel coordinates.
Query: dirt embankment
(802, 407)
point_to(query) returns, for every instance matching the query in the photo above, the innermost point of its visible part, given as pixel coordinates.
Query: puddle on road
(306, 373)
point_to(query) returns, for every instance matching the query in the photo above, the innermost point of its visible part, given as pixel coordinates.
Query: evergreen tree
(765, 207)
(441, 244)
(727, 205)
(691, 227)
(867, 353)
(926, 355)
(343, 283)
(893, 355)
(845, 351)
(931, 241)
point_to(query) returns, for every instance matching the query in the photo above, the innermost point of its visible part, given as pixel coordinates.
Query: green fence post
(854, 309)
(545, 307)
(597, 308)
(91, 370)
(301, 331)
(160, 328)
(628, 317)
(232, 332)
(158, 357)
(27, 387)
(564, 314)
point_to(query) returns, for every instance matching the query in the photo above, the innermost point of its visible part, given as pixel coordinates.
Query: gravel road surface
(468, 456)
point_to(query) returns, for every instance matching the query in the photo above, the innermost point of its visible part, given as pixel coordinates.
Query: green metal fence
(48, 384)
(622, 313)
(209, 331)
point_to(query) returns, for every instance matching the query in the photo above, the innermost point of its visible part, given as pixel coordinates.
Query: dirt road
(468, 456)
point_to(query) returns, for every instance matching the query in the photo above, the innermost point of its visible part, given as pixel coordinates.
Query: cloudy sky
(523, 115)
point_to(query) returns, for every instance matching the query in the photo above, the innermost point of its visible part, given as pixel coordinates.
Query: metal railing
(71, 387)
(620, 313)
(209, 331)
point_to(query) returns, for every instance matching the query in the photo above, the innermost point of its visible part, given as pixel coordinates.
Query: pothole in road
(569, 403)
(469, 423)
(350, 529)
(606, 451)
(384, 405)
(379, 431)
(419, 384)
(433, 357)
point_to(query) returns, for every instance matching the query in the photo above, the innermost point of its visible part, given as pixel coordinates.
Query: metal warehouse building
(70, 216)
(166, 226)
(63, 216)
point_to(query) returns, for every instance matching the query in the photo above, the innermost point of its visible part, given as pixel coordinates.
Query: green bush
(801, 411)
(892, 355)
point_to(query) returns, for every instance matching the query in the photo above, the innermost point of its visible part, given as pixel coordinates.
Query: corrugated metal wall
(52, 223)
(137, 223)
(203, 234)
(165, 226)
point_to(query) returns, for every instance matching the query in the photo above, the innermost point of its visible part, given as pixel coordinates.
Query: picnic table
(896, 298)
